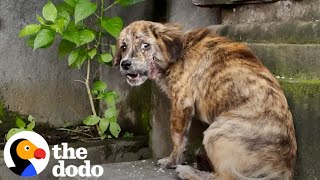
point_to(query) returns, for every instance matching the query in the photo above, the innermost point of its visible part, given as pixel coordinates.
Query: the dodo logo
(26, 154)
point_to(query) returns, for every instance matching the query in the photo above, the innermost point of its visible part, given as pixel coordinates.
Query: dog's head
(146, 49)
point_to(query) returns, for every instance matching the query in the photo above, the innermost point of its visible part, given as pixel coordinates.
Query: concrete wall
(280, 11)
(36, 82)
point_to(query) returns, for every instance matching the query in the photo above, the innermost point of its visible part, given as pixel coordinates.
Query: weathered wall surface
(280, 11)
(36, 82)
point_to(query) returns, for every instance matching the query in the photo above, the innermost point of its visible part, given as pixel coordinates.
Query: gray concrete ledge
(294, 32)
(135, 170)
(290, 60)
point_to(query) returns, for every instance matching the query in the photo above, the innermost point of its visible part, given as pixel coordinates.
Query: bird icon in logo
(21, 151)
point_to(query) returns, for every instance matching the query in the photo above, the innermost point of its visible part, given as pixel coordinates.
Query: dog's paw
(166, 163)
(186, 172)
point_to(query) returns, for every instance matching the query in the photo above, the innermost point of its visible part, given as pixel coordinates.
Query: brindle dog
(251, 133)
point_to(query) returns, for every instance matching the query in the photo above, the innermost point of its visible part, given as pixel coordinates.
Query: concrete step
(290, 60)
(294, 32)
(101, 152)
(135, 170)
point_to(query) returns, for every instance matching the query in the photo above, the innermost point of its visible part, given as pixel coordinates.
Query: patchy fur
(251, 133)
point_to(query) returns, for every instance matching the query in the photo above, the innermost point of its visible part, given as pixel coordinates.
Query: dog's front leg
(180, 125)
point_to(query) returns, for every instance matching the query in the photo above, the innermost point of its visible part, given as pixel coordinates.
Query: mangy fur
(251, 133)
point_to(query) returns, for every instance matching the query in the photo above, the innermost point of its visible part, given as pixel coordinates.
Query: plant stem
(100, 30)
(79, 81)
(87, 83)
(114, 3)
(75, 131)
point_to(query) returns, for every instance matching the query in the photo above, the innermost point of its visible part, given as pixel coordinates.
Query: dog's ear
(169, 36)
(117, 56)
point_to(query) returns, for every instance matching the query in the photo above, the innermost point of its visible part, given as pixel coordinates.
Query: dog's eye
(145, 46)
(123, 47)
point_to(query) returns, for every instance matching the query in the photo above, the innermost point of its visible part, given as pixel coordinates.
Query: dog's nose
(126, 64)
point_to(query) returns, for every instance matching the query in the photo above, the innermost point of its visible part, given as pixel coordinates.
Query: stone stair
(291, 50)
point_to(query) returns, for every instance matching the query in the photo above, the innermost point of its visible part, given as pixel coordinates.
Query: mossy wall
(304, 101)
(7, 119)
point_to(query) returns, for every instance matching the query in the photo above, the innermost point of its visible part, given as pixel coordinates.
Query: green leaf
(128, 2)
(30, 29)
(115, 129)
(91, 120)
(73, 57)
(83, 9)
(20, 123)
(102, 135)
(71, 3)
(49, 12)
(113, 50)
(104, 124)
(113, 119)
(77, 58)
(65, 47)
(72, 36)
(100, 95)
(81, 58)
(31, 125)
(109, 99)
(58, 26)
(86, 36)
(64, 16)
(79, 37)
(110, 112)
(92, 53)
(40, 19)
(114, 94)
(105, 57)
(44, 37)
(99, 86)
(128, 135)
(112, 26)
(65, 7)
(30, 41)
(12, 132)
(30, 118)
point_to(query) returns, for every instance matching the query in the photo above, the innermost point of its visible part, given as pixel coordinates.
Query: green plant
(81, 41)
(128, 135)
(22, 126)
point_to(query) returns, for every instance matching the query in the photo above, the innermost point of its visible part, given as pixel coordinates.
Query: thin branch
(87, 83)
(116, 2)
(97, 16)
(94, 139)
(80, 81)
(75, 131)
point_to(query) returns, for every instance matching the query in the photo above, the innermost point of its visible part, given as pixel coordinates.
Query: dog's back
(251, 132)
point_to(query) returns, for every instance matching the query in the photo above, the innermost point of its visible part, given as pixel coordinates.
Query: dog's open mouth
(136, 79)
(132, 76)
